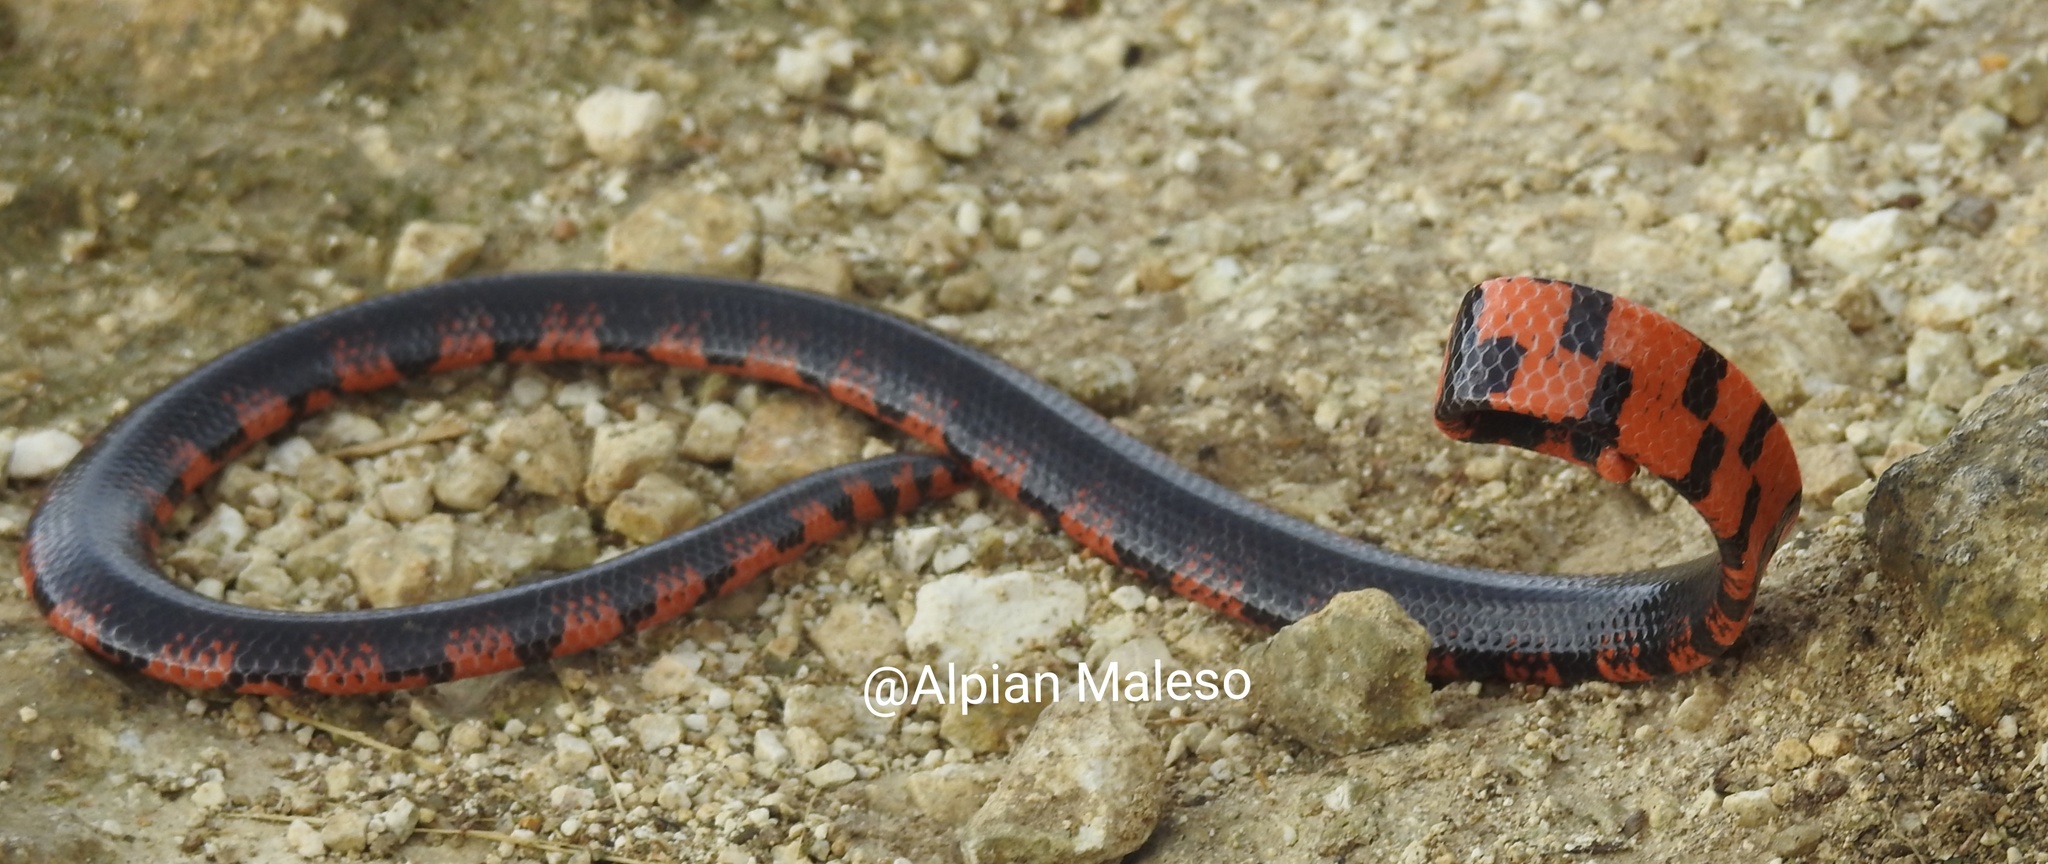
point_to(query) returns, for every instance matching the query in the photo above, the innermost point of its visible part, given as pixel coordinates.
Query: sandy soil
(1269, 208)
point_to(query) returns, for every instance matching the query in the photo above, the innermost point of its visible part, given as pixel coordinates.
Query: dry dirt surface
(1267, 210)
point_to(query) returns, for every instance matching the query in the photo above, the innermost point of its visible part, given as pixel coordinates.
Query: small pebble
(788, 438)
(406, 500)
(41, 454)
(573, 754)
(831, 774)
(623, 453)
(1054, 114)
(1696, 710)
(1831, 743)
(542, 451)
(433, 251)
(801, 74)
(824, 273)
(1974, 133)
(1939, 366)
(1105, 382)
(346, 832)
(1797, 841)
(967, 291)
(1084, 260)
(681, 230)
(469, 481)
(1862, 244)
(913, 548)
(714, 434)
(209, 795)
(959, 133)
(1971, 213)
(1790, 754)
(955, 61)
(304, 839)
(1953, 307)
(1129, 598)
(855, 637)
(1751, 807)
(768, 748)
(2019, 91)
(655, 507)
(620, 125)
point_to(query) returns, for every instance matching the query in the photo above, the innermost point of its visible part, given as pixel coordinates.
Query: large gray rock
(1961, 524)
(1349, 677)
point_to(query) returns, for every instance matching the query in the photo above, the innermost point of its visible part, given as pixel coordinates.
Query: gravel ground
(1265, 211)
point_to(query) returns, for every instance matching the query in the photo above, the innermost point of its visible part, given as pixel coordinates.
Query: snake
(1541, 364)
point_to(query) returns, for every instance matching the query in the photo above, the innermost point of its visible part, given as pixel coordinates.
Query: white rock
(807, 749)
(397, 822)
(287, 455)
(470, 736)
(345, 428)
(1751, 807)
(656, 731)
(42, 453)
(1938, 365)
(673, 796)
(768, 748)
(1218, 281)
(1129, 598)
(802, 72)
(855, 636)
(340, 778)
(1773, 281)
(674, 673)
(974, 620)
(406, 500)
(618, 124)
(209, 795)
(223, 531)
(573, 755)
(345, 832)
(623, 453)
(1951, 308)
(1863, 244)
(909, 169)
(305, 839)
(433, 251)
(951, 558)
(469, 481)
(831, 774)
(714, 434)
(1973, 133)
(1744, 260)
(913, 547)
(681, 230)
(832, 711)
(959, 133)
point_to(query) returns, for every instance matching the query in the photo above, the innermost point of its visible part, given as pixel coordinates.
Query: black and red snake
(1546, 365)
